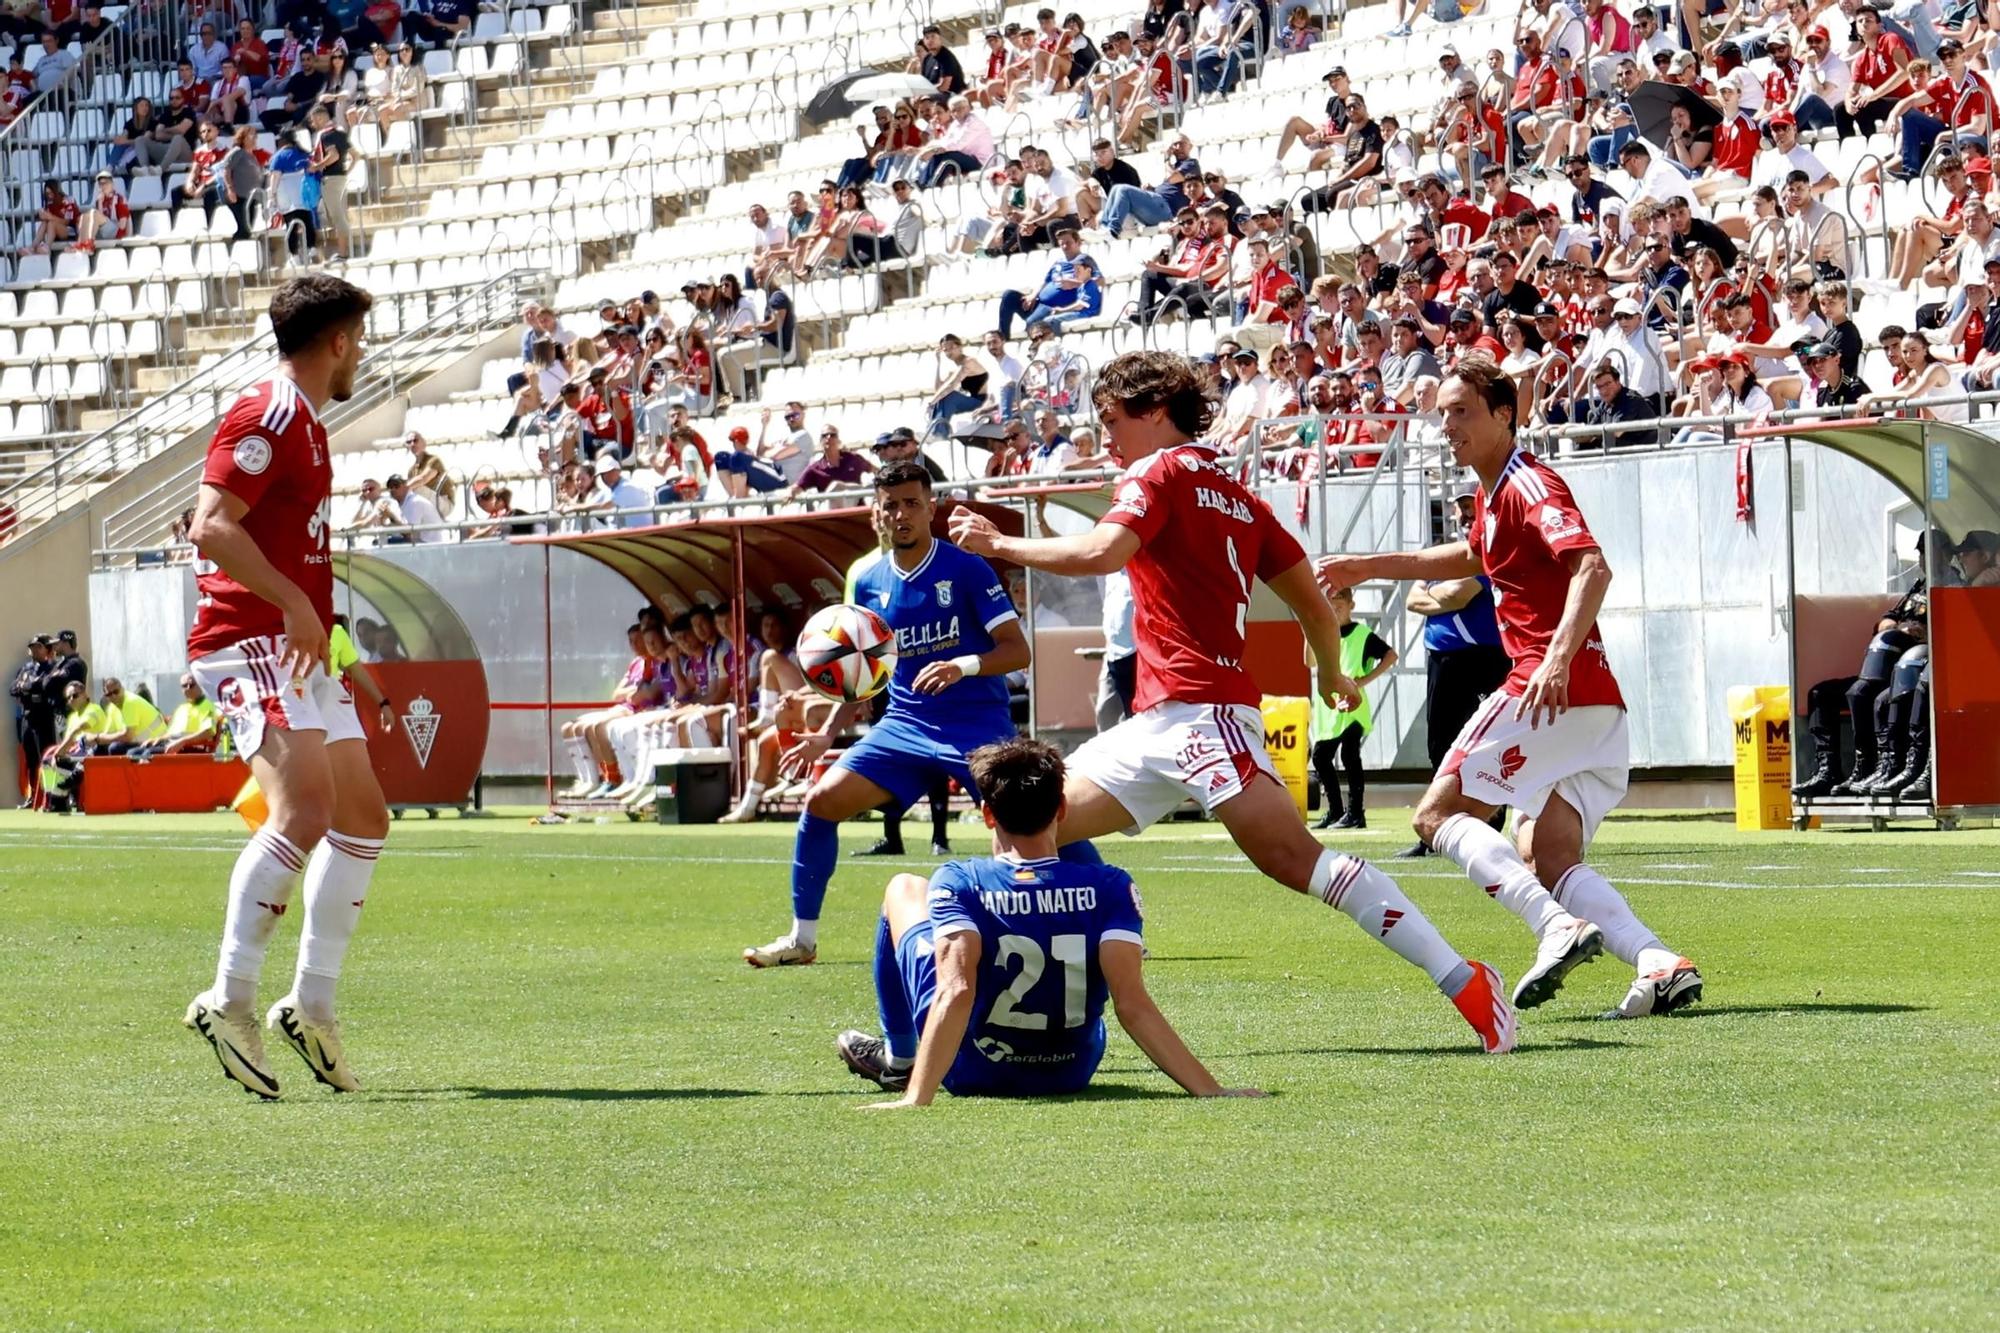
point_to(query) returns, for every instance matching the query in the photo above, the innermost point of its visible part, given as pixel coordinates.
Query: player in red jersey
(1192, 540)
(1551, 741)
(259, 649)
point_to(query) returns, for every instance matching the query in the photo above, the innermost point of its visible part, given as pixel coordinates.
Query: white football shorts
(254, 693)
(1583, 756)
(1152, 761)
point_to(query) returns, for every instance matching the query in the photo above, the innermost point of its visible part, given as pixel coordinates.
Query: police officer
(1464, 661)
(34, 721)
(65, 665)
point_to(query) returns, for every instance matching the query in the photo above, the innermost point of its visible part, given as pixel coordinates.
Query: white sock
(260, 886)
(1492, 862)
(767, 702)
(753, 796)
(336, 883)
(806, 932)
(897, 1062)
(1349, 884)
(1591, 897)
(586, 763)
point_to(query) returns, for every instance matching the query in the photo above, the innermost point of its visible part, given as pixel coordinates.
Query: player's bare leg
(292, 769)
(1265, 824)
(886, 1060)
(336, 882)
(1552, 843)
(840, 795)
(1455, 825)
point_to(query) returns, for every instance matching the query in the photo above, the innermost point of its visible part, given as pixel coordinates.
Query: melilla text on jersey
(929, 639)
(1020, 902)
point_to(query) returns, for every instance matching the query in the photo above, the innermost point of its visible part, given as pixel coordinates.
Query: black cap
(1243, 354)
(648, 296)
(1462, 316)
(65, 636)
(395, 479)
(686, 287)
(1812, 351)
(1547, 311)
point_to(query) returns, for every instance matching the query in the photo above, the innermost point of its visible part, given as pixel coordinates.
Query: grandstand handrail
(45, 492)
(1535, 395)
(1731, 427)
(1847, 199)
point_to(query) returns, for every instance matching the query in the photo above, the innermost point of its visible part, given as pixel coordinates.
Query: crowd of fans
(247, 109)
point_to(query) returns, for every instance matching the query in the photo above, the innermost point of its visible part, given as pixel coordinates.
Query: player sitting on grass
(1004, 963)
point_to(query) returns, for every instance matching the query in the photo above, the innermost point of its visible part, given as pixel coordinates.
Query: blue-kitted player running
(957, 637)
(1004, 963)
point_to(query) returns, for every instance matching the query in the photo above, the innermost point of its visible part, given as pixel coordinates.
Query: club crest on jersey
(942, 588)
(1558, 524)
(252, 454)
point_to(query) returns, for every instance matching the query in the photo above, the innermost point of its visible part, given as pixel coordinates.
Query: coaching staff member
(1463, 659)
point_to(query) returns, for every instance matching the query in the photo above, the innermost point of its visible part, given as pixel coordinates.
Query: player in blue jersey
(957, 637)
(1004, 963)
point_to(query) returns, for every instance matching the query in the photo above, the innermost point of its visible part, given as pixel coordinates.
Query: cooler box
(1761, 716)
(693, 785)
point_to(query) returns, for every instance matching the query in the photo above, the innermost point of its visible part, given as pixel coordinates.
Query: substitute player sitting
(1192, 540)
(957, 637)
(1004, 963)
(259, 648)
(1551, 741)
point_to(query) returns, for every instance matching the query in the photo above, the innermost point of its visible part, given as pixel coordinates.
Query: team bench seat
(170, 784)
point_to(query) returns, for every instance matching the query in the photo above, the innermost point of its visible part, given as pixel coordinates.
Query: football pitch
(583, 1112)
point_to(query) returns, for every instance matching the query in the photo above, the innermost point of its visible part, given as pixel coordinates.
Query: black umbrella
(1653, 102)
(850, 92)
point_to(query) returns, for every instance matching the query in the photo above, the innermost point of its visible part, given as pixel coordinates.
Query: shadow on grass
(1533, 1046)
(1804, 1007)
(1154, 960)
(595, 1094)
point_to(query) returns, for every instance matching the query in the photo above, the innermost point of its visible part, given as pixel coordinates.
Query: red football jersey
(1521, 535)
(1203, 537)
(270, 452)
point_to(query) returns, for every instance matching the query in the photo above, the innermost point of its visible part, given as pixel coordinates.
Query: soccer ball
(847, 652)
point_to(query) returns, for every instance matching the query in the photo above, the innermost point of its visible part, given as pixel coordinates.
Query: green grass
(584, 1112)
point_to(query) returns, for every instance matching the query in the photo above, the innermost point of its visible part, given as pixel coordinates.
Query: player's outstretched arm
(1453, 560)
(957, 963)
(1296, 589)
(1103, 550)
(217, 531)
(1146, 1025)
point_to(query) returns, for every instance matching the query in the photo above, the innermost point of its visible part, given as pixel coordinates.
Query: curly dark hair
(306, 309)
(1021, 781)
(1139, 382)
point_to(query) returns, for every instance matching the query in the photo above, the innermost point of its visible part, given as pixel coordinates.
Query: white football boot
(781, 952)
(1661, 992)
(237, 1044)
(318, 1044)
(1560, 950)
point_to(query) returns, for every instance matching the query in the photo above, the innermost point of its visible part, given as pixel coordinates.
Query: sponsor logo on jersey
(942, 590)
(420, 724)
(1512, 761)
(1131, 500)
(1556, 523)
(252, 454)
(994, 1049)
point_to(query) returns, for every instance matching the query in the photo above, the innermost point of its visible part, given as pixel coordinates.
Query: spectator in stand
(1959, 100)
(1878, 66)
(229, 96)
(206, 53)
(427, 474)
(961, 387)
(769, 341)
(87, 25)
(109, 217)
(1004, 370)
(905, 236)
(616, 495)
(329, 163)
(938, 66)
(438, 22)
(1613, 404)
(964, 147)
(252, 55)
(1152, 208)
(834, 467)
(1189, 271)
(288, 99)
(1061, 286)
(237, 178)
(415, 512)
(1827, 385)
(1010, 453)
(55, 223)
(147, 142)
(55, 65)
(201, 175)
(1107, 172)
(403, 89)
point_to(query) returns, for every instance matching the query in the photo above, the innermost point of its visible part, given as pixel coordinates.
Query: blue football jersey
(1037, 1021)
(946, 607)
